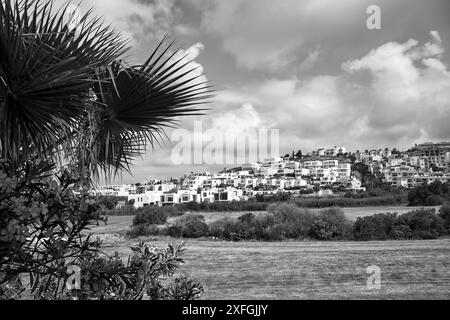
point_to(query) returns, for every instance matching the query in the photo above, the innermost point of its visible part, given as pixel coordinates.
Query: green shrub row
(432, 194)
(287, 221)
(417, 224)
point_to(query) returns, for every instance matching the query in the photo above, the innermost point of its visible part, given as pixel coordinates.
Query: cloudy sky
(310, 68)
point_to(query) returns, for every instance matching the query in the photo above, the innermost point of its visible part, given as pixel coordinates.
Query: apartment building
(435, 154)
(344, 170)
(164, 187)
(409, 177)
(330, 163)
(333, 152)
(117, 191)
(312, 164)
(318, 153)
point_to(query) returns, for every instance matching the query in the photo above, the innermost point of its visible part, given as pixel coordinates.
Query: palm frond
(66, 90)
(46, 72)
(139, 102)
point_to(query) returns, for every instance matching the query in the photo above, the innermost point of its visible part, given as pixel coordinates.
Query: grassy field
(306, 270)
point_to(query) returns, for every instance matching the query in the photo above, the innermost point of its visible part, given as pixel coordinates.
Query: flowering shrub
(44, 231)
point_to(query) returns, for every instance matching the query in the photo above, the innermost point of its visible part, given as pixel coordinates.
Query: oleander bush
(45, 221)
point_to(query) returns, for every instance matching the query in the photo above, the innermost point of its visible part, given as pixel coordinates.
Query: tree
(299, 154)
(68, 97)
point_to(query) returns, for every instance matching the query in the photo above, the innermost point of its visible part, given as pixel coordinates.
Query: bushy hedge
(444, 213)
(287, 221)
(152, 215)
(432, 194)
(149, 220)
(246, 227)
(417, 224)
(292, 221)
(155, 215)
(144, 230)
(331, 224)
(375, 227)
(130, 210)
(283, 221)
(189, 226)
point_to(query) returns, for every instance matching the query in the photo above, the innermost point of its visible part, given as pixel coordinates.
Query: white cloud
(410, 87)
(139, 21)
(436, 36)
(408, 100)
(266, 34)
(185, 30)
(311, 60)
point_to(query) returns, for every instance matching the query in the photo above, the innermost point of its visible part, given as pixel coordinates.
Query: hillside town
(322, 172)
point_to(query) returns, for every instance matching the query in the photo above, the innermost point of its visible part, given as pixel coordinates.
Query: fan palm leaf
(46, 72)
(139, 102)
(67, 91)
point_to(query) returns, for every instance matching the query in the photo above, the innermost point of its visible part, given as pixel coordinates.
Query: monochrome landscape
(224, 150)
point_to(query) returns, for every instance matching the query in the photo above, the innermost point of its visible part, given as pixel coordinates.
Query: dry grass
(306, 270)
